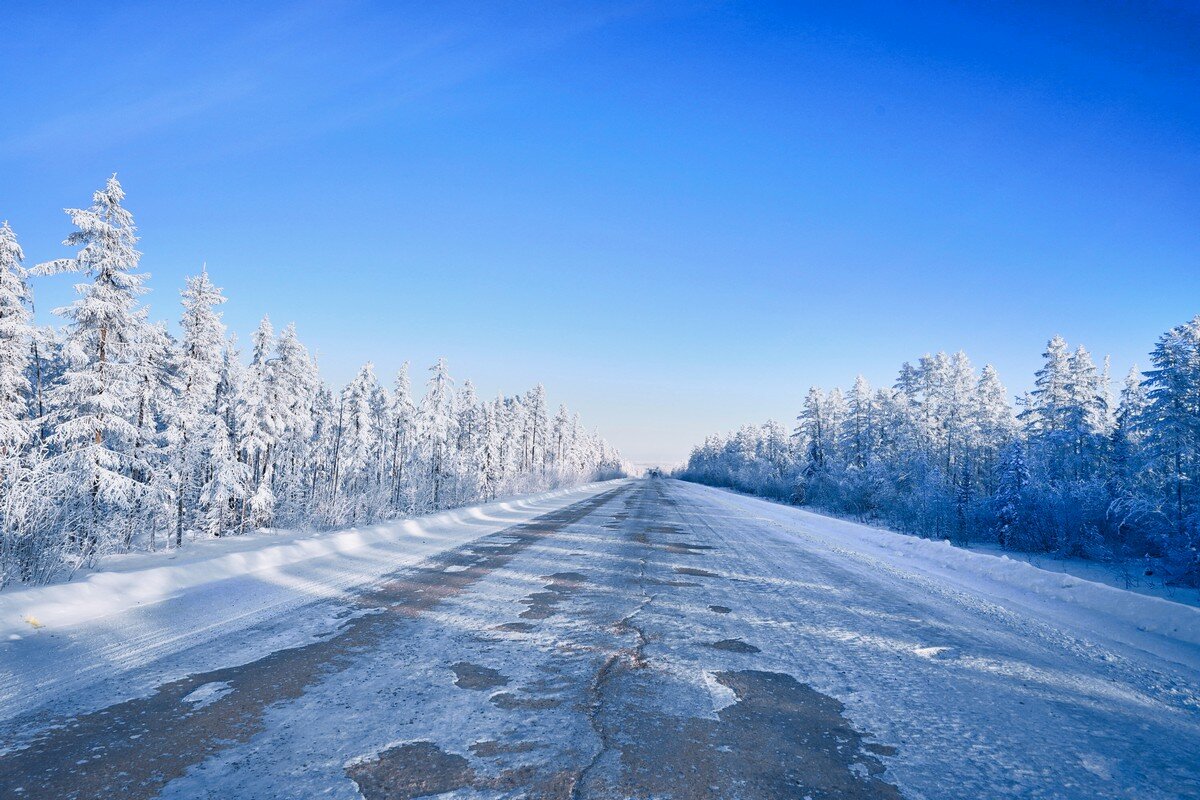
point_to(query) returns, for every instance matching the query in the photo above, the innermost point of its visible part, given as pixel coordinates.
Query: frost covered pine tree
(295, 383)
(359, 444)
(17, 551)
(469, 447)
(403, 435)
(88, 477)
(16, 338)
(156, 400)
(259, 424)
(438, 432)
(200, 434)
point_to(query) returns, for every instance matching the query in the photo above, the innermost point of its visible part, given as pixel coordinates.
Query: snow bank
(1163, 627)
(345, 558)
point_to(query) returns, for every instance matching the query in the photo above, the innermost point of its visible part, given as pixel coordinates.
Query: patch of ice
(722, 696)
(208, 693)
(930, 652)
(1097, 765)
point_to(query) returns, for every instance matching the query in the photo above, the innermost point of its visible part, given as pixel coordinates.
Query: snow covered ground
(1141, 620)
(656, 639)
(145, 607)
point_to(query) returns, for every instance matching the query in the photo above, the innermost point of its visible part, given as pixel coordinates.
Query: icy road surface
(653, 640)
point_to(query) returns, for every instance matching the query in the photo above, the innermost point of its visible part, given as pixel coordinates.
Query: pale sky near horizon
(677, 216)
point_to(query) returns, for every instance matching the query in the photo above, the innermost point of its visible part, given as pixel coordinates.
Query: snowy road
(657, 639)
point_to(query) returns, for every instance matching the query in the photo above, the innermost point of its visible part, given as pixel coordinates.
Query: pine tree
(201, 364)
(16, 340)
(225, 494)
(1125, 472)
(438, 430)
(294, 383)
(859, 423)
(358, 442)
(535, 405)
(155, 403)
(1171, 426)
(469, 446)
(994, 424)
(814, 431)
(404, 433)
(90, 473)
(1009, 497)
(16, 426)
(257, 409)
(1050, 398)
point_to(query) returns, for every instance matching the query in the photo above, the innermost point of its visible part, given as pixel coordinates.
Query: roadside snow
(144, 578)
(146, 607)
(1165, 628)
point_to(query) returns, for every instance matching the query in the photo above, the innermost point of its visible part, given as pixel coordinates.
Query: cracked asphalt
(648, 642)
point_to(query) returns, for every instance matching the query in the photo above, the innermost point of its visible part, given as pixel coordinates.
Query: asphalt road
(655, 641)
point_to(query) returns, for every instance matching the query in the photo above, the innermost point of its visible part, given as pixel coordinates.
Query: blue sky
(678, 216)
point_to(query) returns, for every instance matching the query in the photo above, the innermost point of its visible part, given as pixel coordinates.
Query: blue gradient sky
(677, 216)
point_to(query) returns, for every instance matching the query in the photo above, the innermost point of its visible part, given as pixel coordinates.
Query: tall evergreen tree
(91, 471)
(16, 340)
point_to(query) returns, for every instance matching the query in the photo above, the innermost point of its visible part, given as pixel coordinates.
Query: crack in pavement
(634, 656)
(636, 659)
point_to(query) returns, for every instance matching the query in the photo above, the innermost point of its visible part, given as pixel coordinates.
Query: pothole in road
(417, 769)
(473, 676)
(513, 702)
(697, 573)
(778, 740)
(686, 548)
(490, 748)
(734, 646)
(545, 604)
(422, 769)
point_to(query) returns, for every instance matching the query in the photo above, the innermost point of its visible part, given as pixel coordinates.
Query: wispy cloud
(302, 72)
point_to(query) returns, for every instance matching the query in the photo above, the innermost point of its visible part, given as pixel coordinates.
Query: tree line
(1069, 470)
(116, 435)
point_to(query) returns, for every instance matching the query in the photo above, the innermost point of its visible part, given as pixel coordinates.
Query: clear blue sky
(677, 216)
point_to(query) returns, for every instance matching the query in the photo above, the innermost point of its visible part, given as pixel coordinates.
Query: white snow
(1153, 624)
(144, 606)
(208, 693)
(722, 696)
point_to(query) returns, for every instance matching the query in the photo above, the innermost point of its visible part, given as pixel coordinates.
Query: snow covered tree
(538, 427)
(226, 491)
(1009, 499)
(293, 384)
(259, 428)
(90, 474)
(16, 340)
(197, 425)
(16, 426)
(113, 434)
(439, 432)
(358, 444)
(404, 435)
(1051, 396)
